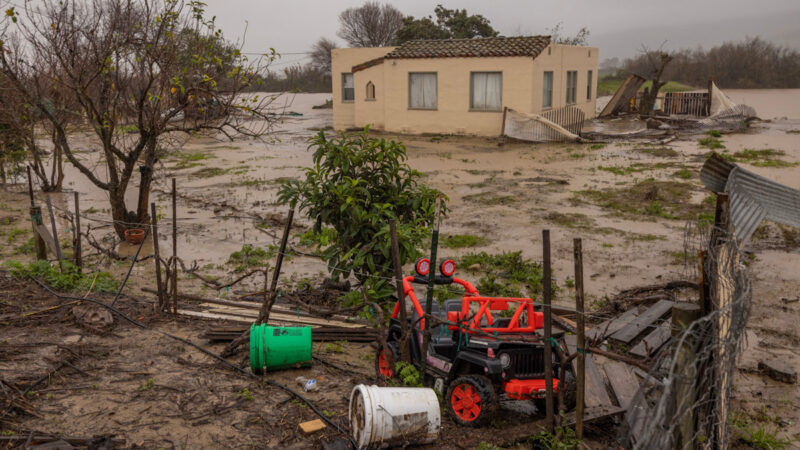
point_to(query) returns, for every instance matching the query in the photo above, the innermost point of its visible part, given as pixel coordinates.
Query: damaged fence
(561, 124)
(685, 399)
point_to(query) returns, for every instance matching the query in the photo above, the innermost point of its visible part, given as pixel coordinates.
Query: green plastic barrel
(273, 348)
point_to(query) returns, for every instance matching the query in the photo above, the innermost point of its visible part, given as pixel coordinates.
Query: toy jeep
(487, 348)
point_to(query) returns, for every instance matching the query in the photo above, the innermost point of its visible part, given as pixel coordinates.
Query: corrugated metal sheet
(752, 197)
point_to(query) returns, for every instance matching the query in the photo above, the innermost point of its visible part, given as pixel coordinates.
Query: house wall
(453, 113)
(342, 61)
(522, 89)
(370, 112)
(560, 59)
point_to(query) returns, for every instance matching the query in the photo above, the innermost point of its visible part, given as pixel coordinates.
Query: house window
(422, 90)
(572, 86)
(547, 94)
(348, 91)
(486, 91)
(589, 85)
(370, 91)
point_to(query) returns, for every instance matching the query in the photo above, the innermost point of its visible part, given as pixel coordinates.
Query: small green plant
(711, 142)
(714, 133)
(597, 146)
(250, 257)
(246, 394)
(8, 433)
(408, 374)
(323, 238)
(564, 438)
(333, 347)
(50, 396)
(487, 446)
(765, 438)
(148, 384)
(463, 240)
(683, 173)
(507, 274)
(14, 233)
(67, 279)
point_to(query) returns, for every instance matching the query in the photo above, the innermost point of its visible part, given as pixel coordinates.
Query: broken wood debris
(318, 334)
(629, 332)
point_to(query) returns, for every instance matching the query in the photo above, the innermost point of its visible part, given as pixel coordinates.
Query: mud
(506, 194)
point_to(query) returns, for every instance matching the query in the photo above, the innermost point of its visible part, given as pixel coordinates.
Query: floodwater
(506, 194)
(769, 103)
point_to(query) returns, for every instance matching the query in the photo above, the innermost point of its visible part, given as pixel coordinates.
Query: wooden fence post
(263, 315)
(401, 296)
(174, 248)
(548, 330)
(36, 219)
(683, 314)
(154, 226)
(426, 335)
(77, 243)
(56, 242)
(581, 347)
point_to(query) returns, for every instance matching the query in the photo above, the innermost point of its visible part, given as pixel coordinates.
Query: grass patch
(767, 157)
(208, 172)
(507, 274)
(251, 257)
(491, 199)
(666, 199)
(661, 152)
(683, 173)
(597, 146)
(187, 160)
(70, 279)
(463, 240)
(711, 142)
(569, 220)
(609, 84)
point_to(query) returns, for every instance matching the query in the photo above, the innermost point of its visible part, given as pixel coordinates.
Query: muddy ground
(603, 193)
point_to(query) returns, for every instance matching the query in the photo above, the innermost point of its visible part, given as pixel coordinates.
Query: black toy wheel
(384, 363)
(471, 400)
(569, 386)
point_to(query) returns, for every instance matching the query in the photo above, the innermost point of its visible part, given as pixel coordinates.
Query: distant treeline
(752, 63)
(296, 78)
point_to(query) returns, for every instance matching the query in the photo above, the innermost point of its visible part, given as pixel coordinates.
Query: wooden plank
(48, 239)
(312, 426)
(645, 320)
(623, 382)
(612, 325)
(653, 341)
(596, 393)
(292, 318)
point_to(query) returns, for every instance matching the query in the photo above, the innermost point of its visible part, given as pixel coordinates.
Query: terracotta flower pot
(134, 235)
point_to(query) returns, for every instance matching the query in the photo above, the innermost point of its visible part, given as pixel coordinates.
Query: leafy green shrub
(507, 274)
(358, 183)
(323, 238)
(564, 438)
(69, 279)
(250, 257)
(408, 374)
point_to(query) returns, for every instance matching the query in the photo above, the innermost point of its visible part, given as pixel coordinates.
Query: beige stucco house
(459, 85)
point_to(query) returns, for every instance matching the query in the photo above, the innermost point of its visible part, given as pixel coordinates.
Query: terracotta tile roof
(529, 46)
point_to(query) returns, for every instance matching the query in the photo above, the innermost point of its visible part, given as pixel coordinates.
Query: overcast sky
(618, 27)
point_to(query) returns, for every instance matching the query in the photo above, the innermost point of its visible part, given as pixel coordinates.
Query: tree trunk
(146, 172)
(649, 97)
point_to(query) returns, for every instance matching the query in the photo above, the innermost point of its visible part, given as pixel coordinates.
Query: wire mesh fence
(684, 400)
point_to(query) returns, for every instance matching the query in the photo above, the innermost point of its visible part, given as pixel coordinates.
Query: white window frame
(352, 88)
(436, 96)
(589, 85)
(547, 94)
(572, 87)
(472, 107)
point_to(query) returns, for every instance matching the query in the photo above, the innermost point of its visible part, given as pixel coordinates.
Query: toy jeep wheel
(384, 363)
(471, 400)
(569, 386)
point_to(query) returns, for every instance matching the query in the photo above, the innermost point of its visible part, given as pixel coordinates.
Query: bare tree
(658, 61)
(580, 38)
(141, 73)
(370, 25)
(321, 54)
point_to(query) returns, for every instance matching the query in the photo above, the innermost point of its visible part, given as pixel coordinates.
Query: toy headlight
(505, 360)
(423, 266)
(448, 267)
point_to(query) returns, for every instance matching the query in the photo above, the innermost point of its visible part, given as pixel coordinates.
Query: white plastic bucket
(384, 416)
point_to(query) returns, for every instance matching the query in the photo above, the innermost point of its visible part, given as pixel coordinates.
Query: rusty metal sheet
(752, 197)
